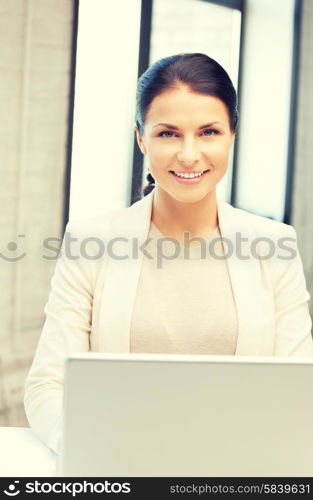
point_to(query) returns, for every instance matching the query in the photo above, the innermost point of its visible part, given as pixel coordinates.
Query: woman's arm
(293, 321)
(66, 329)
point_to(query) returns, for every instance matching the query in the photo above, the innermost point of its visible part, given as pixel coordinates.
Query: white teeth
(189, 175)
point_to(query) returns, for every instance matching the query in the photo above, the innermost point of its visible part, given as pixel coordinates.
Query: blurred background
(68, 74)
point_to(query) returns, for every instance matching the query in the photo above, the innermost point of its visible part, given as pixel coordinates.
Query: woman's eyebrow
(173, 127)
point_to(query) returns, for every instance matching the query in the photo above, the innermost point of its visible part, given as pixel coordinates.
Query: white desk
(24, 455)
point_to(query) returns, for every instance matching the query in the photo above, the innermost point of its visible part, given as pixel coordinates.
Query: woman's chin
(190, 197)
(184, 195)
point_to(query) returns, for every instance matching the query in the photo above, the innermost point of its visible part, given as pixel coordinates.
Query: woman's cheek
(161, 155)
(219, 155)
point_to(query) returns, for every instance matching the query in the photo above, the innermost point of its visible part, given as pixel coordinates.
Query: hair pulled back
(199, 72)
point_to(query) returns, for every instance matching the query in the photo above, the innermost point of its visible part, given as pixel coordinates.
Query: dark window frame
(293, 115)
(143, 63)
(69, 145)
(232, 4)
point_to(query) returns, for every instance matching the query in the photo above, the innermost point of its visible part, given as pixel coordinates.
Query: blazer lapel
(245, 277)
(122, 275)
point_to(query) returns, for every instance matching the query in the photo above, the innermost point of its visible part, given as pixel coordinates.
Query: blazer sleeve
(293, 322)
(66, 329)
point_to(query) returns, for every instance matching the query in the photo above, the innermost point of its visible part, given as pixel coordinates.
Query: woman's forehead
(177, 106)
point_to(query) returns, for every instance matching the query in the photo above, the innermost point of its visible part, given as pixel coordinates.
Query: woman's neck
(173, 217)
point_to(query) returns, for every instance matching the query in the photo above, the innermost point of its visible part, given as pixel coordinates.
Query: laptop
(155, 415)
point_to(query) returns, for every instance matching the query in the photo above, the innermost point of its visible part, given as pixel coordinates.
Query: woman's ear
(140, 141)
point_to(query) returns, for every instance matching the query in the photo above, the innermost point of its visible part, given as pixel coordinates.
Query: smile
(189, 177)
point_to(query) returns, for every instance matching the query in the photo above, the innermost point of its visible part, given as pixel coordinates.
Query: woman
(246, 297)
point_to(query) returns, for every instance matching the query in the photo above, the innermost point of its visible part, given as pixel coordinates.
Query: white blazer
(92, 295)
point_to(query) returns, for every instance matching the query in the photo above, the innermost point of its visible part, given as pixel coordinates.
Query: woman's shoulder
(97, 224)
(114, 222)
(260, 224)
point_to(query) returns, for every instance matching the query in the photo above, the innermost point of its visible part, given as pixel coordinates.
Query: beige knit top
(184, 302)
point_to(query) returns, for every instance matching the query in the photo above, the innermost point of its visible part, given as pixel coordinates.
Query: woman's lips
(194, 180)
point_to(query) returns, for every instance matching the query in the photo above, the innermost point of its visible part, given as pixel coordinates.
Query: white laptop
(140, 415)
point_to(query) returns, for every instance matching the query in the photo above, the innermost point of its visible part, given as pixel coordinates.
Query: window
(191, 26)
(264, 157)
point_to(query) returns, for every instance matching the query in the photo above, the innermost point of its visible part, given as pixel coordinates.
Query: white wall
(104, 113)
(264, 106)
(35, 55)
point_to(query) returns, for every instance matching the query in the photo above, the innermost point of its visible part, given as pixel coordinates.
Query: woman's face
(185, 133)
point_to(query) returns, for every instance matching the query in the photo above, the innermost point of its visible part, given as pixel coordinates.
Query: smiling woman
(186, 164)
(186, 123)
(246, 296)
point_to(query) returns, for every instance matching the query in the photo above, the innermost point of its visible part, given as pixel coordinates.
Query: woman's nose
(188, 153)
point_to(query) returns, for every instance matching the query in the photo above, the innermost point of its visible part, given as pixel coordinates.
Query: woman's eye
(210, 131)
(165, 132)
